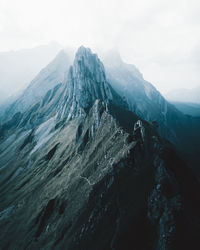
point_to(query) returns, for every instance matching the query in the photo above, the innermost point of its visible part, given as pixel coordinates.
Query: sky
(162, 38)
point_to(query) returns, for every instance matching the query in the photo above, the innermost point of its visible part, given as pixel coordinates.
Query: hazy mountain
(18, 68)
(192, 109)
(184, 95)
(145, 101)
(142, 97)
(81, 171)
(53, 74)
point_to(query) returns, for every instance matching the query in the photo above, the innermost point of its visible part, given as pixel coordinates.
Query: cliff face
(81, 171)
(86, 83)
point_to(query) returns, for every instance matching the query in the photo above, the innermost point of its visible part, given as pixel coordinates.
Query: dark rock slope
(91, 175)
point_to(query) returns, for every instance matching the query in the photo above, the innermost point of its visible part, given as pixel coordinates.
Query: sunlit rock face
(79, 170)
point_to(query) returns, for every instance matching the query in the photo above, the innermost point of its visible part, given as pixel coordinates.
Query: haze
(160, 37)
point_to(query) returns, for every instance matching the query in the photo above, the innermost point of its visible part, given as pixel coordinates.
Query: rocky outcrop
(86, 83)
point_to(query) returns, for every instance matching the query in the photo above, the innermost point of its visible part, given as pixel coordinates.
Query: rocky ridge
(91, 174)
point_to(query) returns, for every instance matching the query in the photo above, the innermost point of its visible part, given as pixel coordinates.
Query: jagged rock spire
(86, 83)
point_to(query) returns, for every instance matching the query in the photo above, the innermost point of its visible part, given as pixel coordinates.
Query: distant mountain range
(24, 65)
(192, 109)
(92, 156)
(184, 95)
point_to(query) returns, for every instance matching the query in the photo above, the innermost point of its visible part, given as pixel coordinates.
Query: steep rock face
(86, 83)
(89, 76)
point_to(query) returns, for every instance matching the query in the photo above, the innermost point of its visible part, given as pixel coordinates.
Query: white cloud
(160, 37)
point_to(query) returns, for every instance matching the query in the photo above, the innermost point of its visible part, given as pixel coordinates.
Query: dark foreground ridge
(78, 170)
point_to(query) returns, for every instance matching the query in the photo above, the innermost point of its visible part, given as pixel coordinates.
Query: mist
(161, 38)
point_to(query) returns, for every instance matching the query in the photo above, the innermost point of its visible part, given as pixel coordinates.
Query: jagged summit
(87, 62)
(86, 83)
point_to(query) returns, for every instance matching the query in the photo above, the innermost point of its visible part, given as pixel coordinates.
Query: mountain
(144, 100)
(18, 68)
(184, 95)
(79, 170)
(192, 109)
(54, 73)
(141, 97)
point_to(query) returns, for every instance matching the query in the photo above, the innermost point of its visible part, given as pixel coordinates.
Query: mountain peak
(82, 50)
(88, 63)
(86, 83)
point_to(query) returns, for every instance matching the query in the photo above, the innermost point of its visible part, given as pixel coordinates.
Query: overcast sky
(162, 38)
